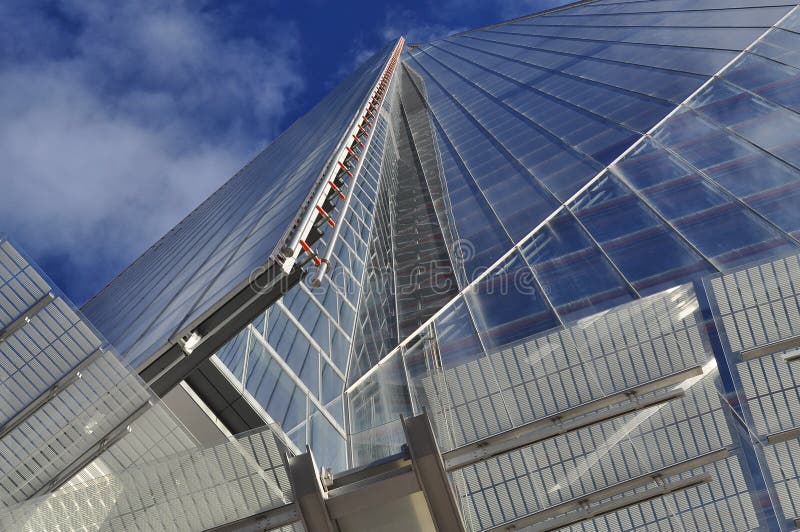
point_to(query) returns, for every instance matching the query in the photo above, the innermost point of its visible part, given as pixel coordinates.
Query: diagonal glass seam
(467, 173)
(322, 309)
(347, 271)
(254, 404)
(760, 96)
(775, 60)
(577, 76)
(518, 113)
(668, 26)
(544, 185)
(356, 215)
(389, 136)
(562, 207)
(741, 137)
(354, 254)
(566, 7)
(747, 141)
(725, 192)
(654, 11)
(296, 380)
(625, 184)
(604, 42)
(440, 216)
(623, 181)
(453, 251)
(642, 26)
(339, 292)
(609, 41)
(535, 89)
(323, 353)
(246, 361)
(250, 231)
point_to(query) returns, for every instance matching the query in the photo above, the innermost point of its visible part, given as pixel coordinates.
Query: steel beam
(271, 519)
(309, 497)
(590, 512)
(429, 469)
(77, 465)
(772, 347)
(221, 326)
(23, 320)
(372, 492)
(64, 382)
(785, 435)
(357, 474)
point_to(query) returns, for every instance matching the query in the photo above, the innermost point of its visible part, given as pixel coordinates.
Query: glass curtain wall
(294, 359)
(601, 161)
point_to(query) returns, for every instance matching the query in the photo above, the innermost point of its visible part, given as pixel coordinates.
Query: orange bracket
(351, 152)
(326, 216)
(336, 189)
(345, 168)
(310, 251)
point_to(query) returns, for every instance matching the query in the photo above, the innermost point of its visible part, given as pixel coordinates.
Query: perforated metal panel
(194, 490)
(614, 351)
(65, 396)
(759, 305)
(756, 310)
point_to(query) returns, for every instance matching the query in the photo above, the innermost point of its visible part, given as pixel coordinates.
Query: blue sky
(117, 118)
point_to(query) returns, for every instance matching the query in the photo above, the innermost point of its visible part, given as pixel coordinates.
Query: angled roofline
(523, 17)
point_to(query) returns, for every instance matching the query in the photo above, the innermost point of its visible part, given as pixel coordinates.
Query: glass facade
(294, 360)
(571, 239)
(230, 235)
(599, 166)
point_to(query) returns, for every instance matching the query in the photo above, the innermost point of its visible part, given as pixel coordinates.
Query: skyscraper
(568, 241)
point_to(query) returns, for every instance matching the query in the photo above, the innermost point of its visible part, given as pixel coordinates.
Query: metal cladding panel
(194, 490)
(66, 397)
(757, 312)
(228, 236)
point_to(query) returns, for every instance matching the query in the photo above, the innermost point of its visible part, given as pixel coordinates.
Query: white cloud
(117, 118)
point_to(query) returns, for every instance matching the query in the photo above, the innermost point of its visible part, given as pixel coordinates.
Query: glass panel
(574, 274)
(508, 304)
(723, 229)
(233, 353)
(326, 443)
(220, 243)
(66, 398)
(775, 82)
(644, 248)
